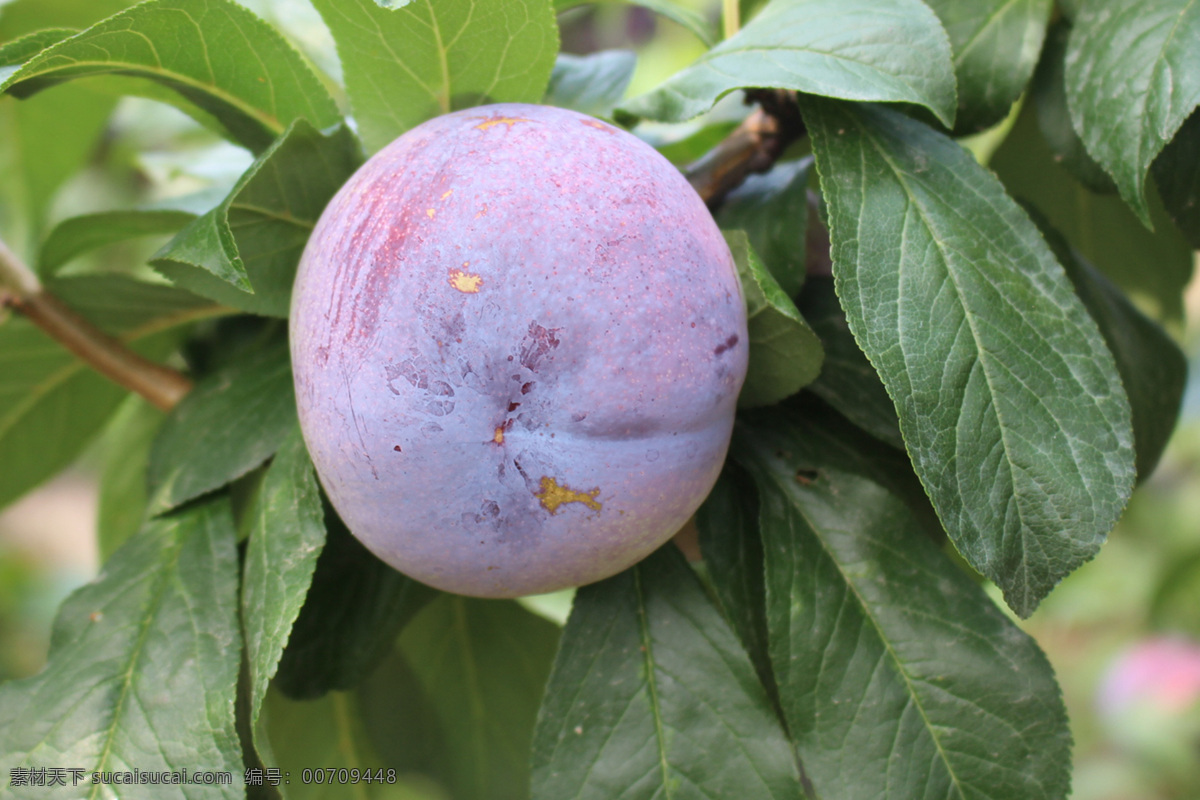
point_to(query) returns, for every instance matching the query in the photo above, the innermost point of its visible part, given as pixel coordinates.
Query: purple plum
(518, 339)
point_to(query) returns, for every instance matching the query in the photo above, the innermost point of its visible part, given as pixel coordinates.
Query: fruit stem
(730, 14)
(21, 291)
(754, 146)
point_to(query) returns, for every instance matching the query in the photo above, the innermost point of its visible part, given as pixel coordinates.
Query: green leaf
(773, 211)
(652, 695)
(1009, 401)
(728, 526)
(894, 51)
(38, 153)
(143, 666)
(244, 252)
(592, 84)
(1049, 96)
(1177, 173)
(898, 677)
(996, 45)
(1133, 77)
(356, 605)
(51, 404)
(123, 496)
(19, 17)
(1153, 266)
(1176, 604)
(847, 381)
(18, 51)
(785, 354)
(1153, 368)
(230, 423)
(287, 536)
(480, 668)
(78, 235)
(406, 65)
(685, 17)
(213, 53)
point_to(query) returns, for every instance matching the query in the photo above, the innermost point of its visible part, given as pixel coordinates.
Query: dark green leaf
(1177, 173)
(126, 449)
(230, 423)
(732, 550)
(996, 45)
(681, 15)
(78, 235)
(213, 53)
(482, 664)
(1152, 367)
(1010, 404)
(652, 695)
(356, 605)
(427, 58)
(898, 676)
(592, 84)
(1054, 120)
(244, 252)
(785, 354)
(820, 47)
(287, 535)
(143, 666)
(1154, 266)
(773, 211)
(1133, 77)
(847, 381)
(51, 404)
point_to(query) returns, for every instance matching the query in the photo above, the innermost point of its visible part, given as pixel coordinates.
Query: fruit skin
(518, 339)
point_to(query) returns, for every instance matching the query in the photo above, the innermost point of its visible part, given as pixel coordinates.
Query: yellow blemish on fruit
(598, 125)
(494, 121)
(498, 436)
(447, 194)
(552, 496)
(429, 212)
(464, 281)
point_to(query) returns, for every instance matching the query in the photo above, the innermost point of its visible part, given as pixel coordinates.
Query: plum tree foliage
(940, 214)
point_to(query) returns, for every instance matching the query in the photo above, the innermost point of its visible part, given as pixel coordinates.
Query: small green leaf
(244, 252)
(52, 404)
(143, 667)
(1153, 266)
(482, 666)
(230, 423)
(15, 53)
(1010, 404)
(1133, 77)
(78, 235)
(214, 53)
(996, 45)
(408, 64)
(681, 15)
(898, 677)
(592, 84)
(1153, 368)
(894, 51)
(1049, 96)
(287, 535)
(355, 607)
(785, 354)
(1177, 173)
(773, 211)
(653, 696)
(847, 381)
(123, 496)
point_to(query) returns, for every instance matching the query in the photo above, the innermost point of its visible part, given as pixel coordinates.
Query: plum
(518, 339)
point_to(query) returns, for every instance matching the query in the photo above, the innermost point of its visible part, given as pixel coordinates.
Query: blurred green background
(1123, 632)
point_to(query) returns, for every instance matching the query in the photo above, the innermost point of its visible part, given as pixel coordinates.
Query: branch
(754, 146)
(21, 291)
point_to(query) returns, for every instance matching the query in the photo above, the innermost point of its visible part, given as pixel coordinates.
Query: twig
(754, 146)
(21, 291)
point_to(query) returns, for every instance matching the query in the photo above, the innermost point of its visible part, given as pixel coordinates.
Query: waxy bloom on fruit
(518, 340)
